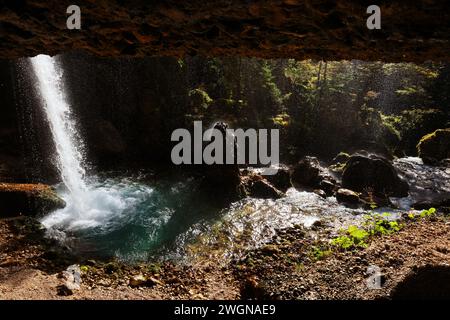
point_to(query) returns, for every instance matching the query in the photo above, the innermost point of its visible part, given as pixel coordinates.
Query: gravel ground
(413, 262)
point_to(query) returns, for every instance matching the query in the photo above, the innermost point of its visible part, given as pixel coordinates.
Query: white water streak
(57, 110)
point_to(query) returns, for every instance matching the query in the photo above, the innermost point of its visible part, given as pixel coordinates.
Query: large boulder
(281, 179)
(435, 146)
(222, 182)
(307, 172)
(310, 174)
(28, 199)
(373, 174)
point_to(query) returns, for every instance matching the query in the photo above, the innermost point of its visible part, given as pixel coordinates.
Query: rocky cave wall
(319, 29)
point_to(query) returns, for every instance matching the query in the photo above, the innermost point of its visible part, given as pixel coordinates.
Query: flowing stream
(135, 218)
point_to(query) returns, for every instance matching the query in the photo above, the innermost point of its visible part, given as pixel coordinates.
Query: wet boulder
(306, 172)
(258, 187)
(435, 146)
(347, 196)
(328, 187)
(28, 199)
(373, 174)
(281, 179)
(310, 174)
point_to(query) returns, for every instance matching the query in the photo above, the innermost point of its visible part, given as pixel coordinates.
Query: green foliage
(271, 86)
(427, 213)
(351, 238)
(200, 98)
(374, 224)
(282, 120)
(422, 215)
(319, 253)
(361, 104)
(84, 268)
(379, 224)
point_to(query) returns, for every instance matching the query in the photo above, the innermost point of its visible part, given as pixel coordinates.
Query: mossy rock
(435, 146)
(28, 199)
(341, 158)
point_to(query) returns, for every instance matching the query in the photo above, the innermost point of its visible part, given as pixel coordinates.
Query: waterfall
(91, 201)
(63, 128)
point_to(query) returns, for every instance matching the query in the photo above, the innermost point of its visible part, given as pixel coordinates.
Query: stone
(435, 146)
(137, 281)
(28, 199)
(257, 187)
(281, 180)
(373, 174)
(347, 196)
(71, 278)
(105, 139)
(328, 187)
(306, 172)
(321, 193)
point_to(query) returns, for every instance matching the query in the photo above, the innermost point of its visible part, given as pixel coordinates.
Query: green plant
(84, 269)
(379, 224)
(319, 253)
(427, 213)
(352, 237)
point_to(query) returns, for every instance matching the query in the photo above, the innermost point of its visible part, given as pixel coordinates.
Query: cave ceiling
(414, 31)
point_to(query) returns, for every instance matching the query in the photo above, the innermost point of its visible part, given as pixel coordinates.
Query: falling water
(62, 124)
(90, 201)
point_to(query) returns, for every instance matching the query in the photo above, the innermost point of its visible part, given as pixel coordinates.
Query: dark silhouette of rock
(257, 187)
(307, 172)
(427, 282)
(373, 174)
(310, 174)
(222, 182)
(281, 180)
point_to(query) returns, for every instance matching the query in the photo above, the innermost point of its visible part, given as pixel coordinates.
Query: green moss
(435, 145)
(200, 98)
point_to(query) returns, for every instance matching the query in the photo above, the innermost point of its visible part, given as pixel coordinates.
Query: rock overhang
(311, 29)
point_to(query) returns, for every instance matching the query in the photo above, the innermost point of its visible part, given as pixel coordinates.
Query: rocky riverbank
(289, 267)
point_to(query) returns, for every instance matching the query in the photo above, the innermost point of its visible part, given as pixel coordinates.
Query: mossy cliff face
(435, 146)
(322, 29)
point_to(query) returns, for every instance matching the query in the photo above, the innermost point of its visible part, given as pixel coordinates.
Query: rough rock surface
(373, 174)
(258, 187)
(28, 199)
(347, 196)
(309, 173)
(318, 29)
